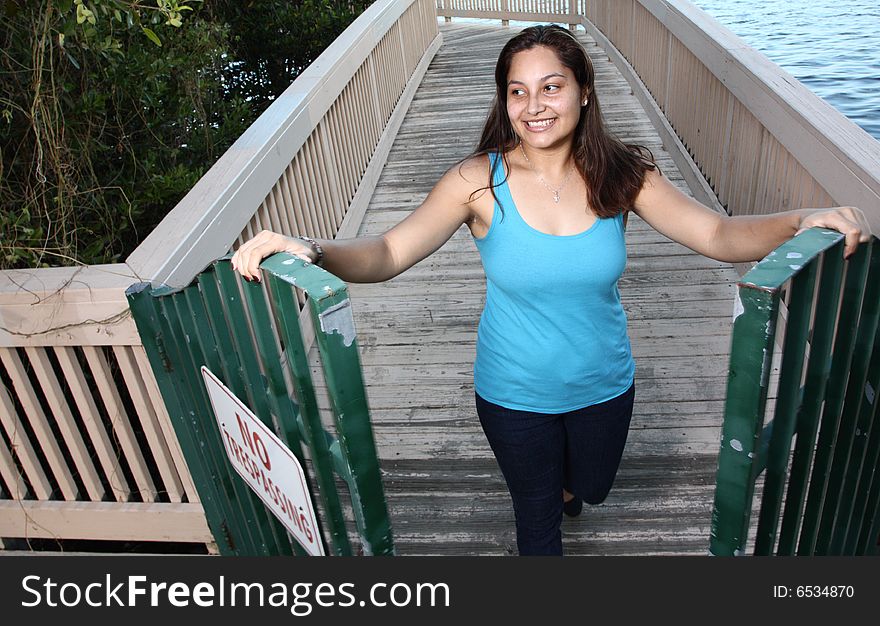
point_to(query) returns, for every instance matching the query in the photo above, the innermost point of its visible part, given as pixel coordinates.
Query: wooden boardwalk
(417, 335)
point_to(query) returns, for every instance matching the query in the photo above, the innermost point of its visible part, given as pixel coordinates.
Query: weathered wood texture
(417, 335)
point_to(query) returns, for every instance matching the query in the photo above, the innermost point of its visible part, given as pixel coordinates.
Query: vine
(111, 110)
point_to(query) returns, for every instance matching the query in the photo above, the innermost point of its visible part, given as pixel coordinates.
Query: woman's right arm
(379, 258)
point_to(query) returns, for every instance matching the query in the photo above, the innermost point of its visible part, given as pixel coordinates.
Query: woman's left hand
(845, 219)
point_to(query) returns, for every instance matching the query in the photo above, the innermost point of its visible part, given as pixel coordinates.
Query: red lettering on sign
(245, 432)
(232, 445)
(261, 451)
(295, 517)
(306, 526)
(273, 491)
(254, 442)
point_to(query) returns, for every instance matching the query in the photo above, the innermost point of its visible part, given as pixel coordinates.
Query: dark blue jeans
(540, 454)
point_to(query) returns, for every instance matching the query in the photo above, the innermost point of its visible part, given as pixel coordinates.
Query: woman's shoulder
(468, 175)
(474, 169)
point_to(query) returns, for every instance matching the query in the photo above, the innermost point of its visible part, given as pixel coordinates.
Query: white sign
(266, 464)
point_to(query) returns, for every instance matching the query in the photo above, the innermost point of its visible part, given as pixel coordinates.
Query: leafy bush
(111, 110)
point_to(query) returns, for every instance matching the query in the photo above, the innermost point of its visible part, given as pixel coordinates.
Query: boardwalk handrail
(297, 168)
(782, 147)
(78, 402)
(825, 403)
(245, 335)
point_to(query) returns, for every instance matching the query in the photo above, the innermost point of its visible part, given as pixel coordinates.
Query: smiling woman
(545, 195)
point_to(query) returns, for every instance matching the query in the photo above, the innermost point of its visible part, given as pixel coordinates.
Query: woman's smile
(540, 126)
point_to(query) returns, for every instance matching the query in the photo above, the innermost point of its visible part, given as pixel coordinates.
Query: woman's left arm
(742, 238)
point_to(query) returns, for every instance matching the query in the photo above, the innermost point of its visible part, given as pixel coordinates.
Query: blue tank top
(552, 337)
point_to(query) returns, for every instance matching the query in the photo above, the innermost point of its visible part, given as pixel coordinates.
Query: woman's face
(543, 98)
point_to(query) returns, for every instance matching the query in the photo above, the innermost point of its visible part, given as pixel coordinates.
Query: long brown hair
(613, 171)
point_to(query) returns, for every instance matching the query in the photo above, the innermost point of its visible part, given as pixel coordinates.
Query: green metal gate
(248, 334)
(818, 452)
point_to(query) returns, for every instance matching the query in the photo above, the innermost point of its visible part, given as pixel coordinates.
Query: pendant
(556, 197)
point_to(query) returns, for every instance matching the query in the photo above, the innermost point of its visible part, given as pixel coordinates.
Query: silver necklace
(556, 191)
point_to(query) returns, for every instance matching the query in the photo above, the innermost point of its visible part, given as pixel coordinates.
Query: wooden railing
(530, 10)
(86, 449)
(762, 139)
(307, 164)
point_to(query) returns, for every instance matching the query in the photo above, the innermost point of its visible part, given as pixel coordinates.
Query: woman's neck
(552, 162)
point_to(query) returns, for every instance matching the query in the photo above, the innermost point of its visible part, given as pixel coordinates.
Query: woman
(545, 196)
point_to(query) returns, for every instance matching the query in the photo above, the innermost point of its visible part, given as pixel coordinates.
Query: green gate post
(815, 386)
(332, 318)
(230, 327)
(844, 347)
(839, 512)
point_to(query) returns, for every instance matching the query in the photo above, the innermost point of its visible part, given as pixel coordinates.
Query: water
(831, 46)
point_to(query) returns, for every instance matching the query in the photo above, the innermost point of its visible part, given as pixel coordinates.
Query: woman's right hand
(246, 260)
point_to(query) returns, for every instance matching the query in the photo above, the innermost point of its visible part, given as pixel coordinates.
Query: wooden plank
(462, 304)
(22, 447)
(40, 425)
(666, 368)
(66, 306)
(108, 521)
(464, 351)
(91, 418)
(121, 422)
(440, 393)
(64, 285)
(678, 290)
(11, 475)
(152, 430)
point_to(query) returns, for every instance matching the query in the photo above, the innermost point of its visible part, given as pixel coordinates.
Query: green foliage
(272, 41)
(111, 110)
